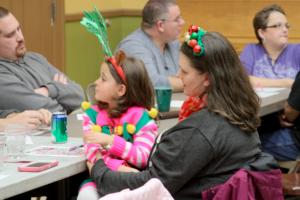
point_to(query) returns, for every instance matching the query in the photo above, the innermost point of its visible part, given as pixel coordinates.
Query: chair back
(90, 93)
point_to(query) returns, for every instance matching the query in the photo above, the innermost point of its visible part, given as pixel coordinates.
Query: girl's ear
(121, 90)
(206, 82)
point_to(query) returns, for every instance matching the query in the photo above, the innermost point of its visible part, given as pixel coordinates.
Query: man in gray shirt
(156, 42)
(27, 80)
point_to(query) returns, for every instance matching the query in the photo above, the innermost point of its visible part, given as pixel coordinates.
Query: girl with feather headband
(121, 126)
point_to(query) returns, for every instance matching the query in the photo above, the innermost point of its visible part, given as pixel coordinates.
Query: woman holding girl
(211, 142)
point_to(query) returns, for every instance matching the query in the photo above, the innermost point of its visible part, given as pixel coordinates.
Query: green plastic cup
(163, 99)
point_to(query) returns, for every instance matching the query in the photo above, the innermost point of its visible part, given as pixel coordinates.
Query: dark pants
(279, 142)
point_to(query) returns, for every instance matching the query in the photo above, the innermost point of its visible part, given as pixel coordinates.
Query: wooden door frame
(42, 36)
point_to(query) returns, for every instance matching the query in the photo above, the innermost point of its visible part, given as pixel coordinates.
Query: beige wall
(83, 66)
(133, 4)
(77, 6)
(233, 18)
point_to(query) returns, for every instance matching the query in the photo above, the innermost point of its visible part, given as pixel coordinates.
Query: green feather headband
(193, 38)
(95, 24)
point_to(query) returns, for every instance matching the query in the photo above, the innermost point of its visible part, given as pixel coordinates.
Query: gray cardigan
(202, 151)
(18, 79)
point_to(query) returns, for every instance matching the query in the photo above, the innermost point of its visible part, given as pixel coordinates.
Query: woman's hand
(98, 138)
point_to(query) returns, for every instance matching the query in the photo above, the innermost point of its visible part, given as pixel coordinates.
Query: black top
(200, 152)
(294, 97)
(294, 102)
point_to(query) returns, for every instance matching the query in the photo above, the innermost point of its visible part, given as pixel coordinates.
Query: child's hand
(98, 138)
(124, 168)
(90, 165)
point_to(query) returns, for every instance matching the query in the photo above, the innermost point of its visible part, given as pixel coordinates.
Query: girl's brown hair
(230, 93)
(139, 89)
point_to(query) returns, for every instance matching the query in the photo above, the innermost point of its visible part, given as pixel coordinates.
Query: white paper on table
(176, 103)
(264, 94)
(40, 130)
(268, 91)
(57, 151)
(28, 140)
(3, 176)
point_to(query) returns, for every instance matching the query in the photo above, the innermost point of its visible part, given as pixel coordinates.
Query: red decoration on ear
(192, 28)
(197, 49)
(192, 43)
(194, 40)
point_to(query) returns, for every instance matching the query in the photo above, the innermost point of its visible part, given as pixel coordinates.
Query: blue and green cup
(163, 98)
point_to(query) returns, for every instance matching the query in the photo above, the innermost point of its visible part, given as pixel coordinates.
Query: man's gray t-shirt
(159, 65)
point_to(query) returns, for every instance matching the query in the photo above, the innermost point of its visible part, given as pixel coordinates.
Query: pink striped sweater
(136, 151)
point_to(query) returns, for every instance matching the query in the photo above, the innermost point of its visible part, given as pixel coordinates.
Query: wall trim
(107, 14)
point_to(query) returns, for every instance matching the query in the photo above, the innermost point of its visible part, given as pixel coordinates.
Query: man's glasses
(279, 26)
(176, 20)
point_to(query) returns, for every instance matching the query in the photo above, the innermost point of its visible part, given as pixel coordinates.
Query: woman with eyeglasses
(215, 138)
(272, 62)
